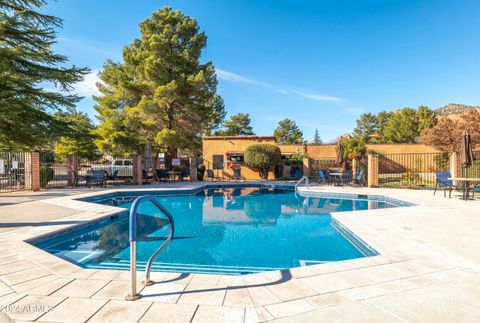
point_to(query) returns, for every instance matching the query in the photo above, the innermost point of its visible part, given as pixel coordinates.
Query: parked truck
(124, 167)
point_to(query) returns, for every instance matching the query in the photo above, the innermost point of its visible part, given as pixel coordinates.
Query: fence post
(28, 171)
(137, 169)
(354, 167)
(306, 166)
(35, 171)
(455, 166)
(72, 161)
(193, 169)
(372, 170)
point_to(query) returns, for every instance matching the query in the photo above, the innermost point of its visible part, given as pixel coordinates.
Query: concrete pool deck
(428, 270)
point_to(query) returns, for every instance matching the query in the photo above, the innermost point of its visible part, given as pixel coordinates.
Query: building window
(237, 159)
(218, 162)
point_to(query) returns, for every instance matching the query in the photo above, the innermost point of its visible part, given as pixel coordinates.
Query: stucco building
(223, 153)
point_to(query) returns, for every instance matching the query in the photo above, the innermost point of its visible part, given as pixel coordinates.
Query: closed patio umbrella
(466, 155)
(340, 159)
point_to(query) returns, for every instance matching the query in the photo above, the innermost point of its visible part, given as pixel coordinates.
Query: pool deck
(428, 269)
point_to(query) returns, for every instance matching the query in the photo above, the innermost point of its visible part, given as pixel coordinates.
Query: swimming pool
(229, 230)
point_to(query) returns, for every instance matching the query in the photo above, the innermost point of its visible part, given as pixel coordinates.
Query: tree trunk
(170, 154)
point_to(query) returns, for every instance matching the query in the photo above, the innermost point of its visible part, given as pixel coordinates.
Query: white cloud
(88, 86)
(232, 77)
(318, 97)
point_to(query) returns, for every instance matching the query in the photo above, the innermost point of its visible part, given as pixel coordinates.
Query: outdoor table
(336, 178)
(466, 181)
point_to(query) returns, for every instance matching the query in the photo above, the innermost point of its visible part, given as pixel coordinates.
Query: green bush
(262, 157)
(296, 159)
(200, 172)
(354, 148)
(46, 175)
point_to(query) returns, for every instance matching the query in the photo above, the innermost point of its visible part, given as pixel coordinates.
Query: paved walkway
(428, 270)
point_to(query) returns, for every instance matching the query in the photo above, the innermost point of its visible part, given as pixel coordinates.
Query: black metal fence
(61, 171)
(321, 164)
(13, 175)
(474, 170)
(412, 170)
(54, 170)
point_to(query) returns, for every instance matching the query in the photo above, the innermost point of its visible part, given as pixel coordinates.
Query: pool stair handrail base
(133, 243)
(307, 181)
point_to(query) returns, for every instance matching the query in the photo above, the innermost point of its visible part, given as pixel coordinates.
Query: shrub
(262, 157)
(46, 175)
(296, 159)
(200, 172)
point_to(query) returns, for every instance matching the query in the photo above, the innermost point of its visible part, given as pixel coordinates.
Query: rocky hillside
(454, 109)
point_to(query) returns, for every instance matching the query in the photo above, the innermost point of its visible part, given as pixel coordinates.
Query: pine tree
(237, 125)
(79, 139)
(27, 66)
(316, 138)
(160, 92)
(287, 132)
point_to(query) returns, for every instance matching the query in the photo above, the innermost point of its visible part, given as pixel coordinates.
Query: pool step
(183, 268)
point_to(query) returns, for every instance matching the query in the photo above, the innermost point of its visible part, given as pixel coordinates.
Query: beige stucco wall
(221, 145)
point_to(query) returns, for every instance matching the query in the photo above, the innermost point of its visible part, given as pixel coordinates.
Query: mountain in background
(454, 109)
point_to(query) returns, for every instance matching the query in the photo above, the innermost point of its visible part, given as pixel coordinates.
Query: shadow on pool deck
(285, 276)
(34, 213)
(36, 224)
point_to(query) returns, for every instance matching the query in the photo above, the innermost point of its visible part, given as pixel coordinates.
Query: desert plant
(354, 147)
(262, 157)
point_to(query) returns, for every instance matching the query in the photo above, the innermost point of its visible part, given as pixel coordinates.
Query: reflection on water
(243, 227)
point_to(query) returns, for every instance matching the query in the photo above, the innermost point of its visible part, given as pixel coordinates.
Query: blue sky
(321, 63)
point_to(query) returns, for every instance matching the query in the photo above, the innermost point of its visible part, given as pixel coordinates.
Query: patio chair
(475, 188)
(185, 173)
(359, 178)
(98, 177)
(114, 178)
(163, 174)
(442, 182)
(237, 174)
(296, 175)
(346, 177)
(77, 178)
(211, 175)
(322, 177)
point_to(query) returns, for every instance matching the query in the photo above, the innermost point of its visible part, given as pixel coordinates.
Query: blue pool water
(234, 230)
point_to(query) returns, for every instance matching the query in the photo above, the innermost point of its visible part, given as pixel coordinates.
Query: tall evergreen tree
(316, 138)
(402, 127)
(160, 92)
(287, 132)
(79, 139)
(426, 118)
(367, 127)
(27, 66)
(237, 125)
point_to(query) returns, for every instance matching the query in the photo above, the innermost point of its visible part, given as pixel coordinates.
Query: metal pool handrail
(304, 178)
(133, 243)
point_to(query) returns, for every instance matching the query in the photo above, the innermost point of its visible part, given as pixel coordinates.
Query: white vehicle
(124, 167)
